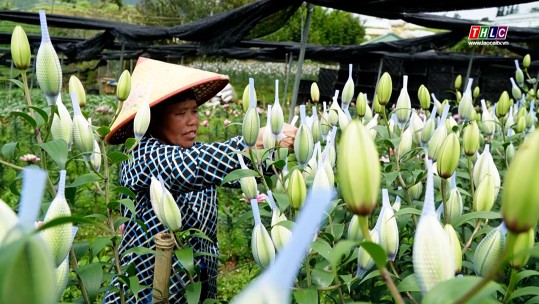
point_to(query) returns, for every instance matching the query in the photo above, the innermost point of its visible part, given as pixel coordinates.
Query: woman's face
(180, 124)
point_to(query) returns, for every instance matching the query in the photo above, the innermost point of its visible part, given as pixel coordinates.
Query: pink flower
(227, 122)
(384, 159)
(122, 228)
(225, 106)
(30, 158)
(260, 198)
(208, 113)
(103, 109)
(205, 123)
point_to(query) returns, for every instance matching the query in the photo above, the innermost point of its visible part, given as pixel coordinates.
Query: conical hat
(168, 80)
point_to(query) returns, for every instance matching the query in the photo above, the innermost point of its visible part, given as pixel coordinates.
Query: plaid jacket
(191, 175)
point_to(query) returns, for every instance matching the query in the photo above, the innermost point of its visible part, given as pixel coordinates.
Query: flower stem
(511, 287)
(470, 173)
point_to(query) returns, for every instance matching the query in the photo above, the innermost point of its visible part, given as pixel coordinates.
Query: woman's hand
(286, 138)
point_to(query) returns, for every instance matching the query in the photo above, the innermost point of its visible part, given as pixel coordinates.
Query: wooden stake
(164, 243)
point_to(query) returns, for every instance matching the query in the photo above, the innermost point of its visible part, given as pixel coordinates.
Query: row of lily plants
(438, 203)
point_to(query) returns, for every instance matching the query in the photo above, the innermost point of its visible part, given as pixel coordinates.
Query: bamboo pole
(164, 246)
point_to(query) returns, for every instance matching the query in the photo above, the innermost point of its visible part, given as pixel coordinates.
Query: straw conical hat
(168, 80)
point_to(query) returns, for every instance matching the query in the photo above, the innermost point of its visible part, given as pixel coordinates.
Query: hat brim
(168, 80)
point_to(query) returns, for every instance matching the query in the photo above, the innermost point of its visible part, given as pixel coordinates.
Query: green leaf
(192, 292)
(134, 285)
(237, 174)
(91, 276)
(371, 275)
(85, 179)
(282, 200)
(130, 143)
(44, 115)
(185, 257)
(408, 210)
(279, 164)
(126, 191)
(57, 150)
(103, 131)
(321, 277)
(26, 117)
(342, 249)
(8, 150)
(119, 221)
(17, 83)
(306, 296)
(525, 274)
(376, 252)
(138, 251)
(116, 157)
(80, 249)
(322, 248)
(408, 284)
(525, 291)
(534, 300)
(99, 243)
(476, 215)
(390, 177)
(451, 290)
(129, 204)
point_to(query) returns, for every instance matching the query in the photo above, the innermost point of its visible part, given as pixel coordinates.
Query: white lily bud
(466, 103)
(62, 124)
(364, 259)
(48, 69)
(76, 87)
(277, 117)
(8, 219)
(489, 250)
(403, 108)
(389, 231)
(348, 90)
(262, 246)
(485, 165)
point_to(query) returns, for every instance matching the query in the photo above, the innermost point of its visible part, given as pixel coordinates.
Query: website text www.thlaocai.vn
(487, 42)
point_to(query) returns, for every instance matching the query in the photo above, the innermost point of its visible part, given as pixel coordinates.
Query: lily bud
(142, 120)
(489, 250)
(424, 97)
(297, 189)
(303, 145)
(354, 229)
(384, 90)
(279, 233)
(246, 98)
(348, 90)
(62, 277)
(48, 69)
(519, 75)
(361, 105)
(485, 165)
(358, 163)
(448, 156)
(515, 90)
(83, 135)
(250, 127)
(520, 242)
(502, 108)
(455, 244)
(376, 106)
(521, 124)
(156, 194)
(76, 87)
(458, 82)
(277, 117)
(416, 125)
(124, 86)
(325, 124)
(466, 103)
(454, 206)
(428, 130)
(171, 212)
(249, 187)
(432, 258)
(59, 238)
(488, 124)
(389, 230)
(476, 92)
(364, 259)
(262, 246)
(530, 117)
(438, 137)
(526, 61)
(316, 128)
(20, 49)
(416, 191)
(8, 219)
(404, 106)
(484, 195)
(471, 138)
(405, 144)
(510, 153)
(62, 124)
(315, 92)
(520, 207)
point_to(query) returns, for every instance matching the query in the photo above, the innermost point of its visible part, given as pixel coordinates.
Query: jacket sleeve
(186, 170)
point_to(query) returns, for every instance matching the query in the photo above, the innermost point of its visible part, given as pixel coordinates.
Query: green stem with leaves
(511, 287)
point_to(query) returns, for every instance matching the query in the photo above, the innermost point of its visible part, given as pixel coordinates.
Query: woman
(191, 170)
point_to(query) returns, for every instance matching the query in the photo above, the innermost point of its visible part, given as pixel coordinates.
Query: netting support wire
(164, 246)
(304, 35)
(288, 70)
(121, 68)
(469, 70)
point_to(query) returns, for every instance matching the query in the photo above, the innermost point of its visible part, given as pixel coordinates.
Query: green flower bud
(48, 69)
(348, 90)
(510, 153)
(262, 246)
(519, 77)
(303, 145)
(531, 93)
(334, 113)
(455, 245)
(424, 97)
(448, 156)
(471, 138)
(315, 92)
(171, 212)
(436, 142)
(156, 194)
(250, 127)
(488, 124)
(416, 125)
(62, 124)
(384, 89)
(515, 90)
(142, 120)
(458, 82)
(316, 129)
(450, 123)
(520, 207)
(405, 144)
(364, 259)
(453, 206)
(519, 243)
(76, 87)
(268, 139)
(466, 103)
(484, 194)
(246, 98)
(124, 86)
(458, 96)
(403, 108)
(297, 189)
(416, 191)
(485, 165)
(502, 108)
(526, 61)
(279, 233)
(530, 117)
(428, 131)
(83, 135)
(249, 187)
(277, 118)
(521, 124)
(389, 231)
(326, 166)
(354, 229)
(476, 92)
(361, 105)
(20, 49)
(376, 106)
(358, 164)
(489, 250)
